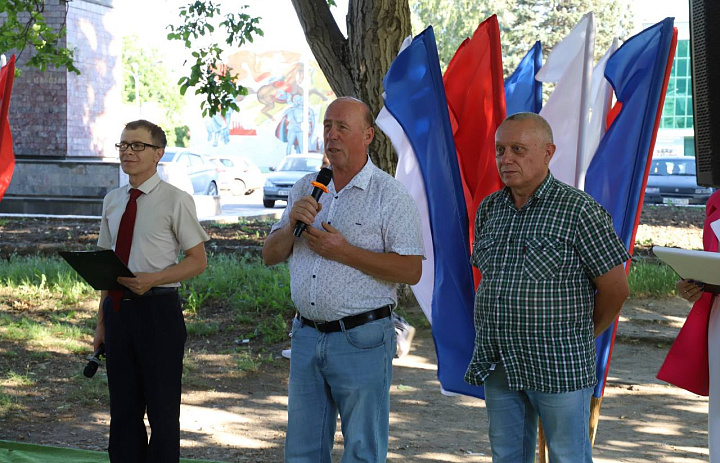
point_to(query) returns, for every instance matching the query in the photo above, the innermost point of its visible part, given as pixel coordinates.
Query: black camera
(94, 361)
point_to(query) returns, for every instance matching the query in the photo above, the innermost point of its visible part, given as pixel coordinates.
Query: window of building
(677, 111)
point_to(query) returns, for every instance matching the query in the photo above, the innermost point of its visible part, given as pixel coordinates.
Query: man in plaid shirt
(552, 280)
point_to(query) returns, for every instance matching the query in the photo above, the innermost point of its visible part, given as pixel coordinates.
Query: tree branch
(327, 44)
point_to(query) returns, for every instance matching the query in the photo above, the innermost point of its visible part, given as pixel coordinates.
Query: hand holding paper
(698, 266)
(139, 284)
(690, 290)
(100, 269)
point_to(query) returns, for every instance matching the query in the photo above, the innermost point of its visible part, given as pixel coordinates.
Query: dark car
(189, 171)
(291, 169)
(672, 180)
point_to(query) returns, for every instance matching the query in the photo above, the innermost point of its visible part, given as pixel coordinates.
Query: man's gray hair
(540, 123)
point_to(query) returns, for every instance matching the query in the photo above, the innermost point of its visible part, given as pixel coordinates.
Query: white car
(189, 171)
(238, 174)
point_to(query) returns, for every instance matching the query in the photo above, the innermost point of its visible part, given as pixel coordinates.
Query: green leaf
(203, 17)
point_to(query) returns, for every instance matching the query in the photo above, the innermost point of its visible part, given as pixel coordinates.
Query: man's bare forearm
(387, 266)
(278, 245)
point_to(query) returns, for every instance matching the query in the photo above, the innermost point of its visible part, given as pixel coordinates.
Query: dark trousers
(145, 343)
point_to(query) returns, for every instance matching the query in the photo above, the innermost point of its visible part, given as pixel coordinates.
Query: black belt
(353, 321)
(152, 292)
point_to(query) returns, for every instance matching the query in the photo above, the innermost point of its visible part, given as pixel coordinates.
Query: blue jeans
(347, 372)
(513, 417)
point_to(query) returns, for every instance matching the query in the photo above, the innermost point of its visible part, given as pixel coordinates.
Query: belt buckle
(318, 325)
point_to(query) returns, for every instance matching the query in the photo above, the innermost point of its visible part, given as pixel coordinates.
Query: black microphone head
(324, 176)
(94, 362)
(90, 369)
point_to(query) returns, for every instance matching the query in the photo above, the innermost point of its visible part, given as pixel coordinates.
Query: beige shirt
(166, 223)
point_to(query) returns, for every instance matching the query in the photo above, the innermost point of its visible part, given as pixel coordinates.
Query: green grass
(246, 361)
(88, 391)
(243, 283)
(18, 379)
(649, 279)
(202, 328)
(39, 277)
(8, 403)
(59, 334)
(274, 330)
(251, 294)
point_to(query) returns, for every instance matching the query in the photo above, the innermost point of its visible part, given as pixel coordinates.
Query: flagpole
(305, 124)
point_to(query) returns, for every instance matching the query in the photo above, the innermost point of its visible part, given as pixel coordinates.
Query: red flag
(476, 101)
(7, 157)
(686, 364)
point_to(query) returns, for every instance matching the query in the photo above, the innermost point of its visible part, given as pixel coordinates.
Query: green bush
(274, 329)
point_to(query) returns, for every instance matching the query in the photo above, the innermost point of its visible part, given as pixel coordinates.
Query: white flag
(570, 65)
(600, 103)
(408, 173)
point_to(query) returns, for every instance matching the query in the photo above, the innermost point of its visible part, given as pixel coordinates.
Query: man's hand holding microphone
(305, 209)
(328, 243)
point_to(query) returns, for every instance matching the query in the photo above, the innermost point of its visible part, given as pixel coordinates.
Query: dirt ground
(232, 417)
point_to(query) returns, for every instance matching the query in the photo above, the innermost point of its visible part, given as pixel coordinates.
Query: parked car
(672, 180)
(189, 171)
(238, 174)
(282, 178)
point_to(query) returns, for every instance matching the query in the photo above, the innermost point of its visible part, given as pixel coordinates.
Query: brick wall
(64, 124)
(93, 96)
(58, 114)
(38, 106)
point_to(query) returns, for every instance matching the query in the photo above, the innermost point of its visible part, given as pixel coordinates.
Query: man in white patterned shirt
(363, 238)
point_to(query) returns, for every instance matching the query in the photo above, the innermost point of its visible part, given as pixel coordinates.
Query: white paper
(692, 265)
(716, 228)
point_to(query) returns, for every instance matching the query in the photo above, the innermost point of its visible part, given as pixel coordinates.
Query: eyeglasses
(135, 146)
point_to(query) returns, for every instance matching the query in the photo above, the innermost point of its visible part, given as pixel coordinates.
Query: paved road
(246, 206)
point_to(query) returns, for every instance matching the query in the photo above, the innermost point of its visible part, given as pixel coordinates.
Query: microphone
(320, 184)
(94, 362)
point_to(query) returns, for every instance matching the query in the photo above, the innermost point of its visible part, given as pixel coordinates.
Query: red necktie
(124, 238)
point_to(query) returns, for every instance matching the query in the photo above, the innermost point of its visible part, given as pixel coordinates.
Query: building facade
(676, 135)
(64, 124)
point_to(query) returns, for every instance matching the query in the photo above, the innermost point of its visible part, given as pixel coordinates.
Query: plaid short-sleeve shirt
(534, 306)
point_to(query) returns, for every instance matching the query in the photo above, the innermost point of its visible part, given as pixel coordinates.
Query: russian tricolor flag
(416, 119)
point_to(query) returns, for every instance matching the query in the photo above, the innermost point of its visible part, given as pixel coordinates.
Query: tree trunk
(355, 66)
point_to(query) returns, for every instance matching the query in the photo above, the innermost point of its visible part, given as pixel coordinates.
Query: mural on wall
(276, 106)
